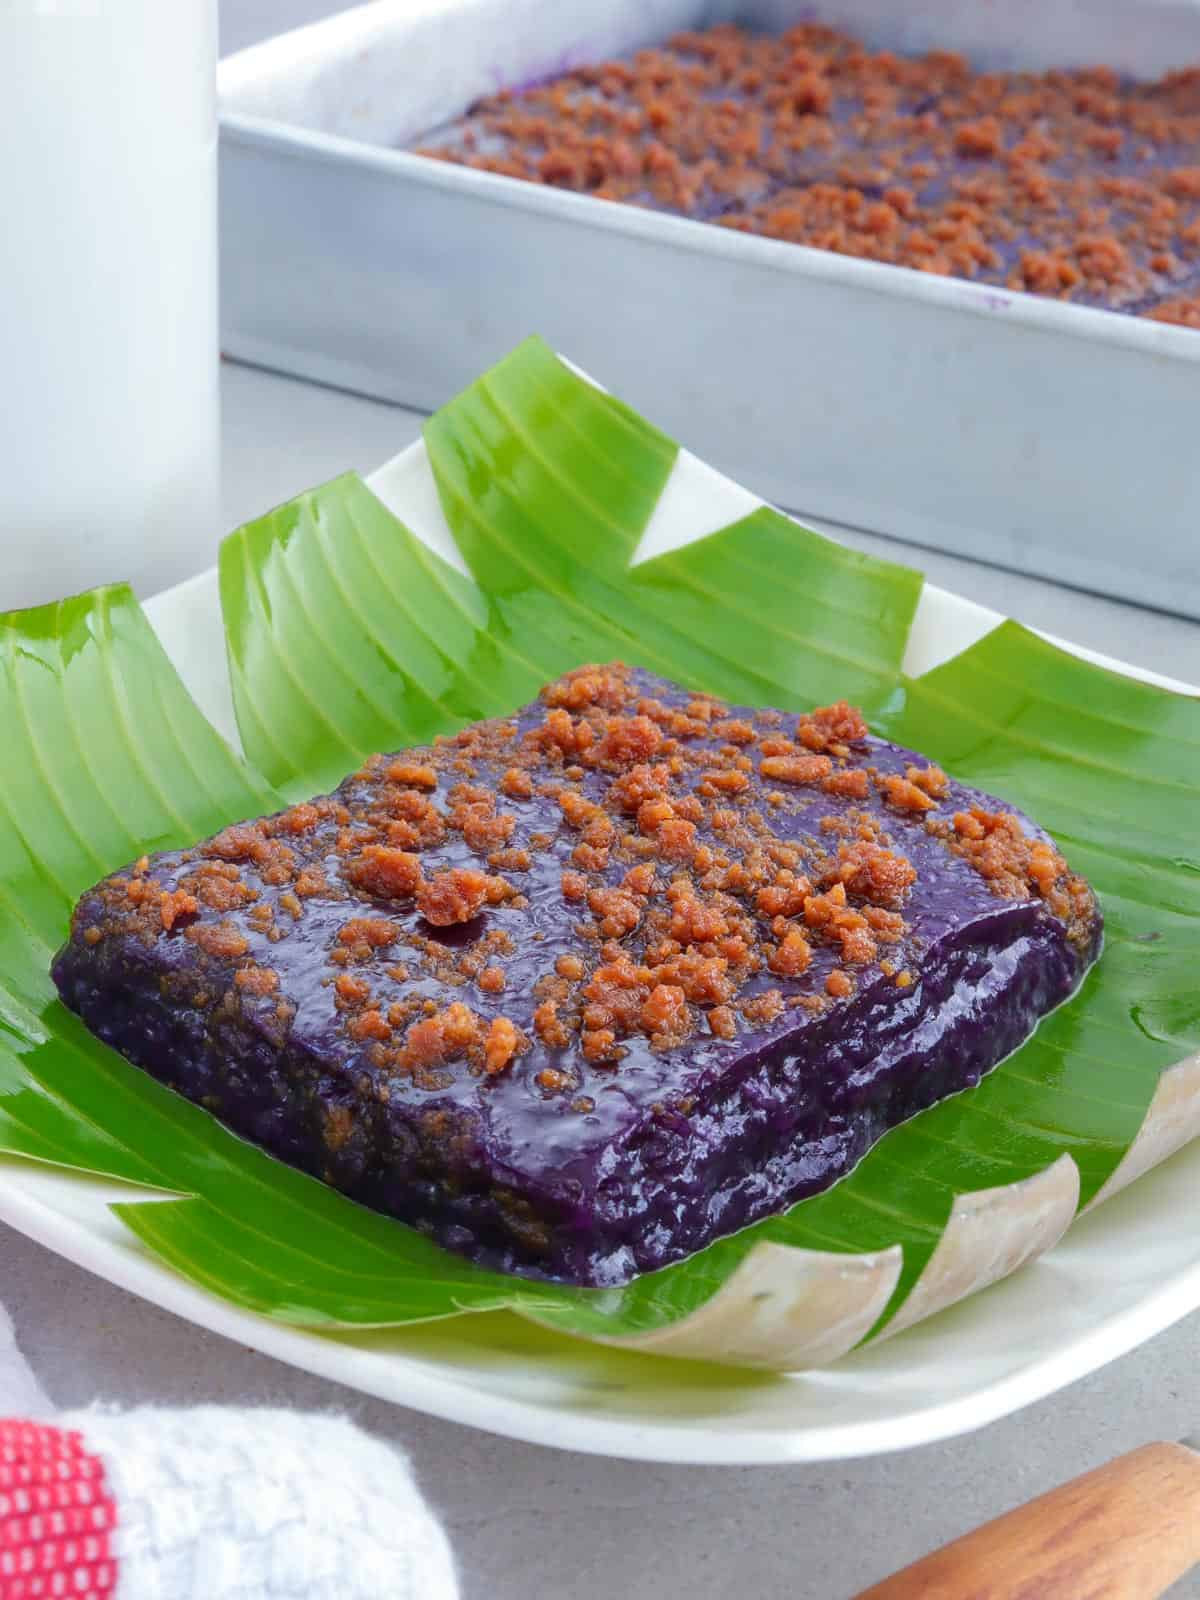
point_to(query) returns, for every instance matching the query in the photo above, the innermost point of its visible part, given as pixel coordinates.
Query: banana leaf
(347, 634)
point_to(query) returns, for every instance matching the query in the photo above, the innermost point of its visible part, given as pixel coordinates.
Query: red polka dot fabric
(56, 1516)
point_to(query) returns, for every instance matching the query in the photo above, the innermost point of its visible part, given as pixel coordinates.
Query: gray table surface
(531, 1521)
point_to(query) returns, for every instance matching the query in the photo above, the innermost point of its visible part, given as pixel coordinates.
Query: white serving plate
(948, 413)
(1122, 1274)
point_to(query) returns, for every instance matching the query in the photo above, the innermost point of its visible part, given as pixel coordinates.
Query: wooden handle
(1126, 1531)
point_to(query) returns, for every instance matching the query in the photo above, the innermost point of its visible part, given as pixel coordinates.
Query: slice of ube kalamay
(578, 991)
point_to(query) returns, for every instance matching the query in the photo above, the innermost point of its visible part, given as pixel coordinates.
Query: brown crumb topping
(454, 896)
(698, 871)
(1017, 865)
(376, 933)
(905, 794)
(796, 769)
(792, 955)
(256, 980)
(385, 872)
(174, 904)
(932, 780)
(504, 1041)
(1080, 185)
(877, 875)
(412, 776)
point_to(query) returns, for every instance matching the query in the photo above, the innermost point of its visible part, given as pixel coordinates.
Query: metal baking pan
(1050, 438)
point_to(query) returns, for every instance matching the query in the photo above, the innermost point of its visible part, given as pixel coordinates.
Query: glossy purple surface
(679, 1146)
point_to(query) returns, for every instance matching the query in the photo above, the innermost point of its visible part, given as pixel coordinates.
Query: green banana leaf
(347, 634)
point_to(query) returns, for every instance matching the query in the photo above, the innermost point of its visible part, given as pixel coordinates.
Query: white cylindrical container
(108, 327)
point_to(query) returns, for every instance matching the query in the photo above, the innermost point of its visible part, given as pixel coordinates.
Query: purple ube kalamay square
(579, 991)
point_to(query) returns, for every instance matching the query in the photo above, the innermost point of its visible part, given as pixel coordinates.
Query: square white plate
(1122, 1274)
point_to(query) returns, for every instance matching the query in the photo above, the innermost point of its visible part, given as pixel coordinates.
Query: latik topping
(719, 870)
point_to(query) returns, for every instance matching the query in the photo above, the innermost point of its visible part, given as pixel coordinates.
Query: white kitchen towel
(253, 1504)
(195, 1503)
